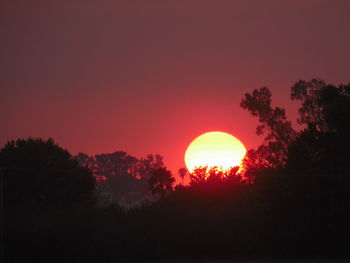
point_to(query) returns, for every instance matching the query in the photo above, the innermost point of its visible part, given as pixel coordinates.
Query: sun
(215, 148)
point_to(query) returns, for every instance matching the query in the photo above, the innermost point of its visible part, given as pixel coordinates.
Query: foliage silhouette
(320, 147)
(161, 181)
(182, 173)
(215, 174)
(39, 175)
(276, 217)
(274, 125)
(121, 174)
(323, 146)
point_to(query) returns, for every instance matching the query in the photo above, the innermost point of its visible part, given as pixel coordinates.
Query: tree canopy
(122, 174)
(320, 146)
(274, 125)
(41, 174)
(323, 145)
(161, 181)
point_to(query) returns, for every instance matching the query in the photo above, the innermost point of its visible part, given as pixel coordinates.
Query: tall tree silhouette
(323, 143)
(323, 146)
(182, 173)
(324, 107)
(273, 125)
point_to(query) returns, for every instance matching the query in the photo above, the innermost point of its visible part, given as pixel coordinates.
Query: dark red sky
(150, 76)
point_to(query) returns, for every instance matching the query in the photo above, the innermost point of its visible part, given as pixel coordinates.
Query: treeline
(104, 166)
(291, 201)
(119, 175)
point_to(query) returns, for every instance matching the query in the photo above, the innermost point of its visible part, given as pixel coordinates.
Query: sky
(150, 76)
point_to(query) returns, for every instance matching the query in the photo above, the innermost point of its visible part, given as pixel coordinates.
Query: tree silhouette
(324, 107)
(122, 174)
(149, 164)
(323, 146)
(206, 174)
(41, 174)
(161, 181)
(117, 163)
(274, 125)
(90, 163)
(199, 175)
(182, 173)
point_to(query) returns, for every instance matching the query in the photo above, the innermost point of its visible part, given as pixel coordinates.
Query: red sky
(150, 76)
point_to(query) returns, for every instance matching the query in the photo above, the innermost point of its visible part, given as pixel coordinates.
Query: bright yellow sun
(216, 148)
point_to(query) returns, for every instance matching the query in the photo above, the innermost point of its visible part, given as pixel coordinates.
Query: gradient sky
(150, 76)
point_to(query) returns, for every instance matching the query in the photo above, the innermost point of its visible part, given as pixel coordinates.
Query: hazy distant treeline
(122, 178)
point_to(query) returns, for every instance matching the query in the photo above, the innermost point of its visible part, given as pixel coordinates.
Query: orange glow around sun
(214, 149)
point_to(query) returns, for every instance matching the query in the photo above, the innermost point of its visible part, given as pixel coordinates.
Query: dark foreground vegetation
(304, 217)
(291, 202)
